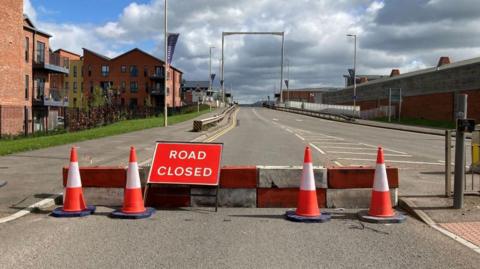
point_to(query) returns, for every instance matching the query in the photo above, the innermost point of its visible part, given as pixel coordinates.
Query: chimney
(443, 61)
(363, 79)
(394, 73)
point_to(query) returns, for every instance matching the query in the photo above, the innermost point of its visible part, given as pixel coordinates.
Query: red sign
(186, 163)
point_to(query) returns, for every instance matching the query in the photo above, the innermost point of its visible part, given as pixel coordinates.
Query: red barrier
(358, 177)
(238, 177)
(283, 198)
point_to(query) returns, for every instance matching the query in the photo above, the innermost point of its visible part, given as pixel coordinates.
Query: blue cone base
(121, 215)
(60, 213)
(397, 218)
(292, 216)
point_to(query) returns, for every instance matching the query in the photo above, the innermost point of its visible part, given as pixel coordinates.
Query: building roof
(196, 83)
(30, 26)
(421, 72)
(64, 50)
(128, 52)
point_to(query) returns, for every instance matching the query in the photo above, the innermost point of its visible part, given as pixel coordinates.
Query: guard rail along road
(203, 124)
(332, 112)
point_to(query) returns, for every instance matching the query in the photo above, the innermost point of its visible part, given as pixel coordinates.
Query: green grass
(9, 146)
(421, 122)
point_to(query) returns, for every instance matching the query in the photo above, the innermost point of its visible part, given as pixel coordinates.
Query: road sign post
(459, 183)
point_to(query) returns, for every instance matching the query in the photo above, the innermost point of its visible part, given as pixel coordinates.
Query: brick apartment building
(75, 85)
(13, 100)
(134, 78)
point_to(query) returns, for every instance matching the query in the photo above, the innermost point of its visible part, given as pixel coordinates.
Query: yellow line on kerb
(234, 123)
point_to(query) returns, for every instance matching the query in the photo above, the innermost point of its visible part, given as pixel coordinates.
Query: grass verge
(9, 146)
(421, 122)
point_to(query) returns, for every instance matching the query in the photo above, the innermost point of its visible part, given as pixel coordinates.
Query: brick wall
(11, 65)
(428, 94)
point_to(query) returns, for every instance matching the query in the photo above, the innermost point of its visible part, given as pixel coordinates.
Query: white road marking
(324, 139)
(338, 143)
(275, 119)
(389, 149)
(298, 120)
(335, 147)
(372, 154)
(288, 130)
(390, 161)
(297, 135)
(40, 204)
(337, 163)
(317, 148)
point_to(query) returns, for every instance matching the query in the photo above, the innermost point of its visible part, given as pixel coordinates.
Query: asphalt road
(231, 238)
(271, 137)
(37, 174)
(243, 238)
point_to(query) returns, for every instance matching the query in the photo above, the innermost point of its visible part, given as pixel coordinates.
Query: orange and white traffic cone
(307, 206)
(73, 200)
(381, 205)
(133, 207)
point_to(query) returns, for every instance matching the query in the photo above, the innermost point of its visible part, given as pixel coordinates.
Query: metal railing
(317, 114)
(203, 124)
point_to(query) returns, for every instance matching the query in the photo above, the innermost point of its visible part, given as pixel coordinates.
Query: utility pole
(221, 81)
(354, 71)
(210, 71)
(165, 109)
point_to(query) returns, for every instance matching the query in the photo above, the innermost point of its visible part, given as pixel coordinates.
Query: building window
(81, 86)
(89, 70)
(74, 102)
(133, 86)
(146, 87)
(91, 87)
(145, 71)
(74, 71)
(40, 52)
(123, 69)
(66, 62)
(27, 48)
(123, 86)
(133, 71)
(66, 84)
(158, 71)
(27, 81)
(74, 86)
(168, 91)
(105, 70)
(168, 75)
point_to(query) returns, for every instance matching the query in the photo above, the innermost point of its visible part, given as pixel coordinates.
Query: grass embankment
(421, 122)
(9, 146)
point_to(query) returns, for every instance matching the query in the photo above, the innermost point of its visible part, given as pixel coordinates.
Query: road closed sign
(186, 163)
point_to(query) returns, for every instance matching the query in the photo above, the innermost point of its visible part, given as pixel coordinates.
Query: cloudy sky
(405, 34)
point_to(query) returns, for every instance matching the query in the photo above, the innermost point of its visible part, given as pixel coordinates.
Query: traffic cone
(381, 205)
(307, 206)
(73, 201)
(133, 207)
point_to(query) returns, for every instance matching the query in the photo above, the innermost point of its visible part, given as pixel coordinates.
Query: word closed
(186, 163)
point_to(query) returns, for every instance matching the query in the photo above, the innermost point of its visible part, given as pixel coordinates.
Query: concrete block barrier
(348, 177)
(353, 198)
(242, 186)
(288, 176)
(284, 198)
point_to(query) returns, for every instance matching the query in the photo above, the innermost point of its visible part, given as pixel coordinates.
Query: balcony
(158, 76)
(157, 91)
(55, 98)
(53, 65)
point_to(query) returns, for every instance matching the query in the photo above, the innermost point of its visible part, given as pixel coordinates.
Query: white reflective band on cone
(308, 181)
(380, 182)
(133, 178)
(73, 179)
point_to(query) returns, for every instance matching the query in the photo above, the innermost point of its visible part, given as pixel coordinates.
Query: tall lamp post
(354, 71)
(165, 109)
(210, 71)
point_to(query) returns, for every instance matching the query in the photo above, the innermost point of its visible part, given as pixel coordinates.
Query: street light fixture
(354, 71)
(210, 71)
(165, 109)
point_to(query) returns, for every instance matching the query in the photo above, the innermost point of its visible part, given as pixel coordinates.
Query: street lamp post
(165, 110)
(354, 71)
(210, 71)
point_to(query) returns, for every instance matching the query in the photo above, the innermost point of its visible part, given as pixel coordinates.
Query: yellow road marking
(234, 123)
